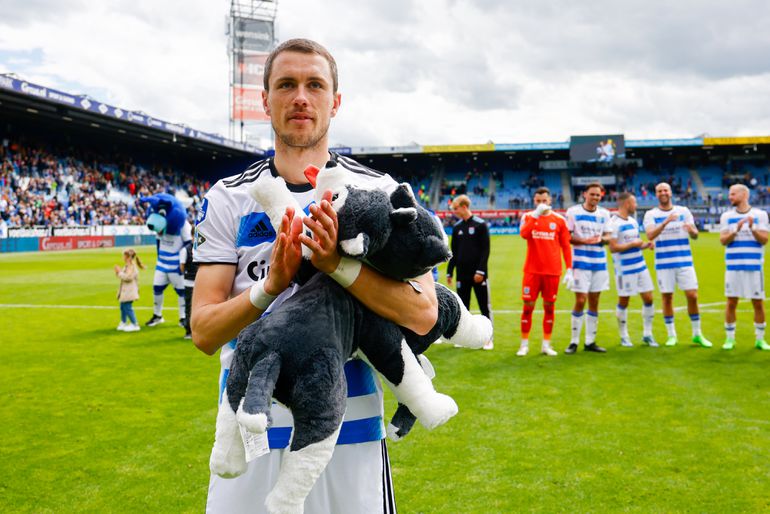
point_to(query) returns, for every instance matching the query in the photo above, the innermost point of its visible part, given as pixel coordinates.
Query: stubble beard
(306, 141)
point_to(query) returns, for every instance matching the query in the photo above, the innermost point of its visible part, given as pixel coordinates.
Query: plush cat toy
(303, 367)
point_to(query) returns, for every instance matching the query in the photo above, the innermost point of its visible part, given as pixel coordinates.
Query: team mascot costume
(302, 367)
(167, 217)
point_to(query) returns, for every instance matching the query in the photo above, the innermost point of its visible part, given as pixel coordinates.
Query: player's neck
(666, 207)
(743, 208)
(290, 162)
(622, 214)
(589, 208)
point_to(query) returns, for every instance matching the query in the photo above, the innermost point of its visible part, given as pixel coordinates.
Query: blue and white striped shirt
(744, 253)
(587, 224)
(631, 261)
(672, 246)
(169, 248)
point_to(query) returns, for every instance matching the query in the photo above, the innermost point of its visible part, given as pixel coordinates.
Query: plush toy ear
(356, 247)
(403, 216)
(311, 172)
(403, 197)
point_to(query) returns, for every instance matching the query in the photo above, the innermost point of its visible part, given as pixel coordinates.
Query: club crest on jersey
(552, 225)
(526, 289)
(202, 211)
(471, 230)
(199, 239)
(255, 229)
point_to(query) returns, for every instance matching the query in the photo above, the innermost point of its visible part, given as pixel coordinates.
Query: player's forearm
(398, 301)
(727, 237)
(654, 232)
(760, 236)
(215, 324)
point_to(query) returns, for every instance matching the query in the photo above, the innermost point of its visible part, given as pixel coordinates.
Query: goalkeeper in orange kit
(547, 239)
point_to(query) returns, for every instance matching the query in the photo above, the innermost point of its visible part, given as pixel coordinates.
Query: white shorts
(357, 480)
(683, 278)
(587, 281)
(163, 278)
(631, 285)
(745, 284)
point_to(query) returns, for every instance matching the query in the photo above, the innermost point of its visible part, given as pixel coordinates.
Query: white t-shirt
(232, 228)
(672, 246)
(744, 253)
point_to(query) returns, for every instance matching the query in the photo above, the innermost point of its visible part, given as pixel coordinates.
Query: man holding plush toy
(246, 270)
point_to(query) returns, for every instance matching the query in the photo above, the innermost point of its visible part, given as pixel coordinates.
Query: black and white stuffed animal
(303, 367)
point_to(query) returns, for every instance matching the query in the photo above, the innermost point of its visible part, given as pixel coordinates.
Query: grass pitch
(103, 421)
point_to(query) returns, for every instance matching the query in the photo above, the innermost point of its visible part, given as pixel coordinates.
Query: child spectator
(128, 292)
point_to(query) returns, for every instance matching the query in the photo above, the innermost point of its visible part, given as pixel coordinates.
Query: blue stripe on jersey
(671, 242)
(590, 266)
(630, 250)
(167, 269)
(661, 220)
(352, 432)
(634, 271)
(670, 265)
(590, 253)
(633, 260)
(630, 226)
(675, 253)
(730, 221)
(744, 244)
(743, 255)
(588, 217)
(595, 245)
(744, 267)
(170, 262)
(360, 378)
(164, 253)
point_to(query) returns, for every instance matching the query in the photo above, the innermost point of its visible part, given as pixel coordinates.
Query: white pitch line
(47, 306)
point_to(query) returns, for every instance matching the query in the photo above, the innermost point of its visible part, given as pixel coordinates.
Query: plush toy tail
(254, 409)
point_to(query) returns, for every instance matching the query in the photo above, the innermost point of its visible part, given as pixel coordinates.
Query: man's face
(461, 211)
(542, 198)
(301, 100)
(736, 196)
(663, 193)
(592, 196)
(630, 205)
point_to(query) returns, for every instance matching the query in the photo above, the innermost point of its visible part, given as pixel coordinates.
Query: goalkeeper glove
(541, 209)
(568, 279)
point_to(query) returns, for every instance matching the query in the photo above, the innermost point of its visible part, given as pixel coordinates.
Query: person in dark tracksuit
(470, 253)
(189, 269)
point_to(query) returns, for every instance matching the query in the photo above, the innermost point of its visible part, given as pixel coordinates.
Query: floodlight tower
(251, 36)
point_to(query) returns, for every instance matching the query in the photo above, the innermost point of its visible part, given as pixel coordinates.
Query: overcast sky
(428, 71)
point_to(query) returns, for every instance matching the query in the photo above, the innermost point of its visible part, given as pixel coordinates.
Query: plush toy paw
(228, 457)
(277, 505)
(392, 432)
(254, 423)
(473, 331)
(437, 410)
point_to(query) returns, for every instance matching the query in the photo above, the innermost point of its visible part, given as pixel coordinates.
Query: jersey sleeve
(564, 242)
(570, 219)
(607, 222)
(484, 254)
(186, 233)
(648, 221)
(763, 221)
(215, 233)
(688, 217)
(612, 228)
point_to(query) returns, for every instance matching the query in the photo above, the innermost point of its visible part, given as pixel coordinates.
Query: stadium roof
(26, 97)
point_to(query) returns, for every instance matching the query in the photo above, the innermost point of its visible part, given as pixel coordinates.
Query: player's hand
(593, 240)
(541, 209)
(647, 244)
(671, 217)
(739, 225)
(569, 279)
(449, 280)
(750, 222)
(287, 254)
(478, 277)
(691, 229)
(323, 224)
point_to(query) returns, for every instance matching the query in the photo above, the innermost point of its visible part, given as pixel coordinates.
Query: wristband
(347, 272)
(259, 298)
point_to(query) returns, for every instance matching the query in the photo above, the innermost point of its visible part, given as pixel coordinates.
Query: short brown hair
(625, 195)
(594, 184)
(543, 190)
(303, 46)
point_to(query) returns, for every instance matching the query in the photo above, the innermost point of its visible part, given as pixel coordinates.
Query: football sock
(592, 324)
(759, 330)
(577, 326)
(622, 314)
(695, 322)
(670, 328)
(157, 304)
(548, 316)
(730, 330)
(526, 320)
(648, 312)
(181, 305)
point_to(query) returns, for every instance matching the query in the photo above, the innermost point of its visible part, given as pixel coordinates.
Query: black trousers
(464, 286)
(187, 306)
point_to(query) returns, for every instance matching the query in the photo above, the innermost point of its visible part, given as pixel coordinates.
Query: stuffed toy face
(379, 228)
(166, 215)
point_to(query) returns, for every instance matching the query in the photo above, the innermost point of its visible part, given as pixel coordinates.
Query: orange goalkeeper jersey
(547, 240)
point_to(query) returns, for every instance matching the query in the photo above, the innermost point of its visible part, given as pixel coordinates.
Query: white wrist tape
(259, 298)
(347, 272)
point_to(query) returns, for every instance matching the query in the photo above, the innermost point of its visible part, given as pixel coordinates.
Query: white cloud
(435, 71)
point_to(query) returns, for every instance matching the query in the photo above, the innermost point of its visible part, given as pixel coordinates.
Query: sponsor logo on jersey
(255, 229)
(540, 234)
(202, 211)
(199, 239)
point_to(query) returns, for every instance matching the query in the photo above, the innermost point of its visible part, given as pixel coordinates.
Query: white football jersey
(586, 224)
(631, 261)
(672, 246)
(169, 248)
(744, 253)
